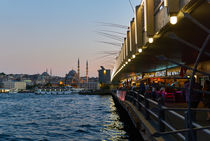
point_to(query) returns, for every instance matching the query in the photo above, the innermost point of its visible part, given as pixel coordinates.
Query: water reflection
(114, 127)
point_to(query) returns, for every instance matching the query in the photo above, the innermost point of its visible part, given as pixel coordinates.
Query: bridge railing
(146, 106)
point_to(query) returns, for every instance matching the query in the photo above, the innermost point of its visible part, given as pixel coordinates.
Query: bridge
(173, 29)
(167, 39)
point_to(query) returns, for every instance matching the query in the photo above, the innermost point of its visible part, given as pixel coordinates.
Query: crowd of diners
(176, 90)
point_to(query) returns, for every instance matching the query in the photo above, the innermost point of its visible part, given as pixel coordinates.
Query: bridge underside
(171, 42)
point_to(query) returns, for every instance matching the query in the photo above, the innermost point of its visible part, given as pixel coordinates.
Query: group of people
(196, 95)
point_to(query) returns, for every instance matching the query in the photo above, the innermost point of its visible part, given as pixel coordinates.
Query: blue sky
(40, 34)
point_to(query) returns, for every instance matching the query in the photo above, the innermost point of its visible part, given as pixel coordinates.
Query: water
(59, 117)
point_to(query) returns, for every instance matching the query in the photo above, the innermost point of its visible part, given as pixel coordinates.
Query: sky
(53, 34)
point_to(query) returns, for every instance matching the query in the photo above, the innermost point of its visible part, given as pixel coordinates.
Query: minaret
(87, 71)
(78, 70)
(50, 72)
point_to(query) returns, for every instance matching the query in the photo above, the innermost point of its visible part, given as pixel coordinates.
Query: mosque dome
(72, 74)
(45, 74)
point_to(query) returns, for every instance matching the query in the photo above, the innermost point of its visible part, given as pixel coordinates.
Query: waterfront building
(71, 77)
(13, 85)
(93, 83)
(104, 75)
(28, 82)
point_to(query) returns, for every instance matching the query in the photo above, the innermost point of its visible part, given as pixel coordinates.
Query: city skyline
(36, 35)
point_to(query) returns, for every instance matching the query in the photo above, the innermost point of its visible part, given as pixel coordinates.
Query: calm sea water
(60, 117)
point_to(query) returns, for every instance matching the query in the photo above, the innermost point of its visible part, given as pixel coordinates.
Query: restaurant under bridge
(167, 44)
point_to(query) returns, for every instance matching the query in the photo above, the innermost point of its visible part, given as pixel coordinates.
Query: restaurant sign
(160, 73)
(173, 73)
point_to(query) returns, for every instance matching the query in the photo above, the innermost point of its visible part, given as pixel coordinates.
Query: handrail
(177, 131)
(172, 111)
(156, 116)
(184, 109)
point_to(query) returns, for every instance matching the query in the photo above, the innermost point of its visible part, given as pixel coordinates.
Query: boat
(54, 91)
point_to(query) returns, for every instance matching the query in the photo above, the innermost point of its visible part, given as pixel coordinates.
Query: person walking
(154, 88)
(142, 88)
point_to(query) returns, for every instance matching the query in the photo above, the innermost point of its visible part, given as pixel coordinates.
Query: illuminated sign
(172, 73)
(152, 75)
(160, 73)
(139, 77)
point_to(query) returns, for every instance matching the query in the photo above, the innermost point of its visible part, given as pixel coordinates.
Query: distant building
(104, 75)
(71, 77)
(12, 85)
(28, 82)
(92, 84)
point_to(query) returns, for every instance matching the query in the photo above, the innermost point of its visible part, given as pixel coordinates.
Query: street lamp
(151, 40)
(140, 50)
(173, 20)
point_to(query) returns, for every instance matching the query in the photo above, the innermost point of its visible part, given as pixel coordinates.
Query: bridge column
(125, 49)
(128, 44)
(132, 37)
(149, 17)
(139, 26)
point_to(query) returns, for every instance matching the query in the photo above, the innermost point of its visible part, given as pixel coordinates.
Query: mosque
(74, 77)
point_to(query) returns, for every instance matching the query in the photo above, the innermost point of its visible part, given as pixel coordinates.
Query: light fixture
(129, 60)
(140, 50)
(104, 72)
(126, 63)
(133, 56)
(151, 40)
(173, 20)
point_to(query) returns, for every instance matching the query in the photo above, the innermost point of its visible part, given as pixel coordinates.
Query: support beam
(132, 37)
(173, 7)
(125, 49)
(128, 44)
(139, 21)
(149, 17)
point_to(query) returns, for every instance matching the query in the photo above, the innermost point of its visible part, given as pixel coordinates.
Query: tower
(78, 70)
(50, 72)
(87, 71)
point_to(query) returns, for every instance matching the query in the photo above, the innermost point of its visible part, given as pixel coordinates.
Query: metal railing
(143, 104)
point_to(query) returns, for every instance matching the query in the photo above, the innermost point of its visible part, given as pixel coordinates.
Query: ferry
(58, 91)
